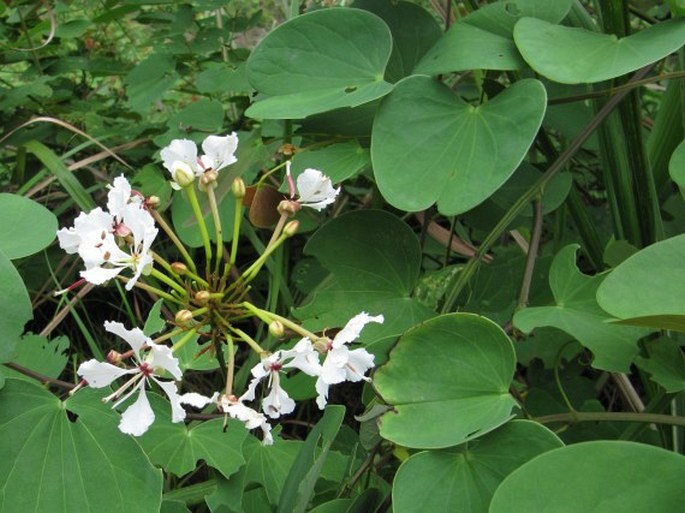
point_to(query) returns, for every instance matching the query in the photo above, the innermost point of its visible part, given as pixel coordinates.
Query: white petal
(316, 189)
(139, 416)
(249, 394)
(250, 417)
(198, 400)
(161, 357)
(333, 368)
(101, 374)
(118, 196)
(135, 337)
(322, 391)
(170, 389)
(180, 149)
(359, 361)
(220, 150)
(354, 327)
(99, 275)
(278, 402)
(304, 357)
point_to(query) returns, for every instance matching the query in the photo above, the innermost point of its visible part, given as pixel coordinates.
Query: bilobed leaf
(40, 354)
(429, 145)
(464, 478)
(320, 61)
(105, 469)
(154, 322)
(15, 306)
(676, 167)
(27, 226)
(574, 55)
(649, 286)
(618, 479)
(374, 259)
(448, 382)
(577, 313)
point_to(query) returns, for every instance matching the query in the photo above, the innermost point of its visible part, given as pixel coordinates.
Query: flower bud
(183, 317)
(276, 329)
(182, 174)
(291, 228)
(113, 357)
(238, 188)
(287, 149)
(202, 297)
(152, 202)
(208, 178)
(288, 207)
(179, 268)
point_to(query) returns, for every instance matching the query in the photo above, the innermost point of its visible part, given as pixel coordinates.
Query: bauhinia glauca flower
(315, 189)
(139, 416)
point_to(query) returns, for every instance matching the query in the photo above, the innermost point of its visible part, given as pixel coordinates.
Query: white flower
(181, 160)
(235, 408)
(315, 189)
(278, 402)
(87, 235)
(341, 364)
(139, 416)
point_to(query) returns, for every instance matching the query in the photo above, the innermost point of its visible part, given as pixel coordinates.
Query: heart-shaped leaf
(448, 382)
(573, 55)
(44, 439)
(577, 313)
(320, 61)
(429, 145)
(27, 226)
(464, 478)
(15, 306)
(596, 477)
(649, 285)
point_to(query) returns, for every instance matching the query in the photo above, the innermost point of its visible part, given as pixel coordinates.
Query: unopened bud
(276, 329)
(182, 174)
(183, 317)
(209, 178)
(152, 202)
(179, 268)
(288, 207)
(238, 188)
(202, 297)
(113, 357)
(287, 149)
(291, 228)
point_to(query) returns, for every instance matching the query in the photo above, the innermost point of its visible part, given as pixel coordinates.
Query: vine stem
(532, 255)
(610, 416)
(174, 238)
(461, 279)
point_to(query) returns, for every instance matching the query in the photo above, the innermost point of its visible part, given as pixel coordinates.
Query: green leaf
(618, 479)
(27, 226)
(484, 38)
(65, 177)
(574, 55)
(154, 322)
(338, 161)
(151, 181)
(676, 167)
(577, 313)
(177, 448)
(374, 258)
(66, 457)
(39, 354)
(666, 364)
(269, 465)
(649, 285)
(448, 380)
(15, 306)
(298, 487)
(199, 118)
(414, 31)
(149, 80)
(464, 478)
(320, 61)
(429, 145)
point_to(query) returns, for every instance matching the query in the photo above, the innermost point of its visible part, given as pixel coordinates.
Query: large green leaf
(596, 477)
(448, 382)
(649, 285)
(27, 226)
(666, 363)
(464, 478)
(15, 306)
(177, 448)
(337, 161)
(676, 167)
(38, 353)
(429, 145)
(577, 313)
(414, 31)
(484, 38)
(573, 55)
(66, 457)
(149, 80)
(375, 259)
(320, 61)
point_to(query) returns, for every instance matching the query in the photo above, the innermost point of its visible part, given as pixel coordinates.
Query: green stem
(165, 279)
(610, 416)
(150, 288)
(252, 271)
(269, 317)
(249, 340)
(217, 227)
(186, 338)
(174, 238)
(169, 335)
(237, 219)
(230, 365)
(195, 204)
(462, 278)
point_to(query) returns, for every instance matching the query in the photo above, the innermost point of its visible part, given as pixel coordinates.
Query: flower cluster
(113, 240)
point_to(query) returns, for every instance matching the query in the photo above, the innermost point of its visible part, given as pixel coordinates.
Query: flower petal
(278, 402)
(135, 337)
(184, 150)
(99, 275)
(101, 374)
(316, 189)
(220, 150)
(170, 389)
(198, 400)
(161, 357)
(139, 416)
(354, 327)
(302, 356)
(322, 393)
(333, 368)
(358, 362)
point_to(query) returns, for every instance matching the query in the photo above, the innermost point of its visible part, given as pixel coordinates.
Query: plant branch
(38, 376)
